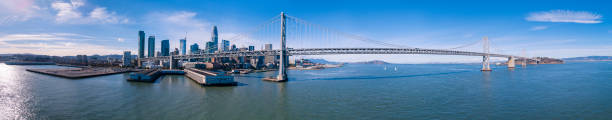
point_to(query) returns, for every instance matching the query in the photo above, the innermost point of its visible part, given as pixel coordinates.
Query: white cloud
(565, 16)
(536, 28)
(53, 44)
(18, 11)
(58, 48)
(69, 13)
(66, 11)
(100, 14)
(45, 37)
(120, 40)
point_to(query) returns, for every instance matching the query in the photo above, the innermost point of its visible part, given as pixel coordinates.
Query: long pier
(75, 73)
(152, 74)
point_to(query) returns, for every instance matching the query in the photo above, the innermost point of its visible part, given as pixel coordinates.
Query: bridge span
(331, 51)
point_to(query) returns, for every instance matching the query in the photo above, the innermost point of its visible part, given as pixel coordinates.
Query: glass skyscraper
(165, 48)
(183, 46)
(151, 50)
(194, 49)
(141, 44)
(225, 45)
(214, 41)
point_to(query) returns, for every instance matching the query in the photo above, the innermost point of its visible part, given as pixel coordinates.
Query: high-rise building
(151, 50)
(141, 44)
(183, 46)
(127, 59)
(251, 48)
(176, 51)
(268, 47)
(214, 39)
(194, 49)
(165, 47)
(210, 47)
(225, 45)
(269, 59)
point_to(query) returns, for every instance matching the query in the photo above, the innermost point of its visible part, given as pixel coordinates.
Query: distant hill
(322, 61)
(590, 58)
(372, 62)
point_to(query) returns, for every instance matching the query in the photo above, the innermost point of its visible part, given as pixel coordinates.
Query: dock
(209, 78)
(75, 73)
(152, 74)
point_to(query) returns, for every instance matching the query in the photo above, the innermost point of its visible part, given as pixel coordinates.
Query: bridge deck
(335, 51)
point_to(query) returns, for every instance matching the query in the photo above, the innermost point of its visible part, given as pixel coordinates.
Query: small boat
(395, 68)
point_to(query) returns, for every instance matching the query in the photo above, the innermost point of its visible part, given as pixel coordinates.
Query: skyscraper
(127, 59)
(251, 48)
(214, 40)
(194, 49)
(151, 50)
(268, 47)
(183, 46)
(209, 47)
(165, 47)
(225, 45)
(141, 44)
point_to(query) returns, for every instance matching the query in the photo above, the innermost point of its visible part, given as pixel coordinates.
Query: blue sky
(543, 28)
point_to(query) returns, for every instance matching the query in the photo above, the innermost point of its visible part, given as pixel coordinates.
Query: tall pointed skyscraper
(214, 41)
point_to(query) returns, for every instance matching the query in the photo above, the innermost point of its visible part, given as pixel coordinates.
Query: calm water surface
(439, 91)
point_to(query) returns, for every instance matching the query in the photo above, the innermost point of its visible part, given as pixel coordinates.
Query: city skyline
(556, 30)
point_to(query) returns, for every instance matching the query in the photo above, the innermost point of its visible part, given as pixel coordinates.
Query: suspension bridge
(301, 38)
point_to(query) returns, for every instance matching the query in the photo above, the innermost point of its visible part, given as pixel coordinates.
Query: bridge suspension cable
(328, 32)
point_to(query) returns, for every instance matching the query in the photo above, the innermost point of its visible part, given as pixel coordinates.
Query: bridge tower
(485, 59)
(282, 67)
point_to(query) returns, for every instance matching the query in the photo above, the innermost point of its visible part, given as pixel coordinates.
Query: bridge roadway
(332, 51)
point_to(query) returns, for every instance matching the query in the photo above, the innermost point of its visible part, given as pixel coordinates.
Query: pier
(209, 78)
(152, 74)
(74, 73)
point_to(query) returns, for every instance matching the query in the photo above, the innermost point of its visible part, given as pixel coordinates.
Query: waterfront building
(127, 59)
(183, 46)
(194, 49)
(251, 48)
(141, 44)
(165, 47)
(82, 59)
(151, 50)
(225, 45)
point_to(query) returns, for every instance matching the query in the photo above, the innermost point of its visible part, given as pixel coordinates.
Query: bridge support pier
(511, 62)
(282, 66)
(485, 64)
(485, 59)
